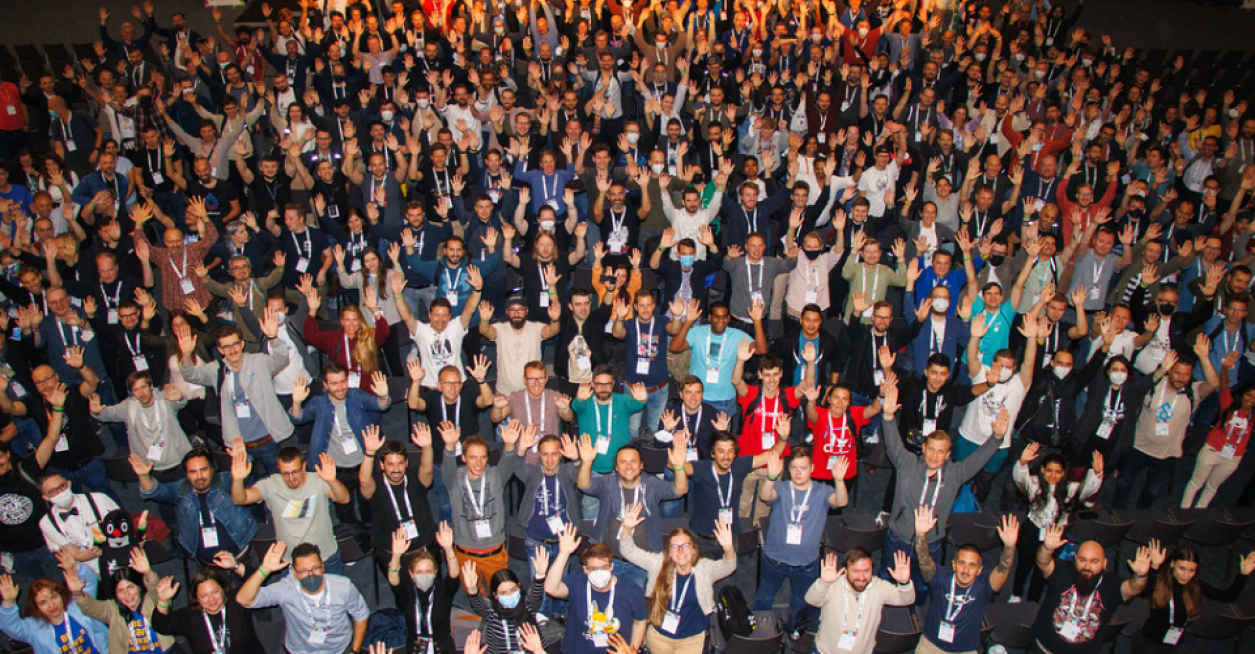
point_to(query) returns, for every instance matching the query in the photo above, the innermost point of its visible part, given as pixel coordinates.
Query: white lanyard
(923, 407)
(833, 431)
(348, 355)
(814, 270)
(182, 275)
(505, 633)
(936, 491)
(544, 284)
(753, 222)
(845, 610)
(724, 502)
(952, 609)
(636, 497)
(762, 265)
(457, 411)
(710, 342)
(1159, 402)
(609, 417)
(762, 411)
(306, 252)
(649, 338)
(117, 293)
(476, 506)
(1228, 344)
(545, 193)
(616, 222)
(527, 402)
(418, 614)
(452, 284)
(677, 599)
(135, 351)
(798, 510)
(217, 638)
(588, 598)
(405, 493)
(67, 341)
(1098, 268)
(555, 499)
(697, 423)
(1072, 617)
(156, 418)
(144, 629)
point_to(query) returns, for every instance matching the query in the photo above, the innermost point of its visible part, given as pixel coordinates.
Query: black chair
(32, 60)
(1216, 622)
(1012, 623)
(742, 645)
(1163, 529)
(899, 631)
(1215, 528)
(222, 460)
(351, 552)
(653, 459)
(966, 528)
(84, 51)
(516, 543)
(118, 468)
(842, 536)
(58, 56)
(1231, 59)
(746, 542)
(157, 553)
(1107, 534)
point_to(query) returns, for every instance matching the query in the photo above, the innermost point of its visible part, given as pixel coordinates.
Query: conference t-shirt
(961, 608)
(628, 608)
(1063, 607)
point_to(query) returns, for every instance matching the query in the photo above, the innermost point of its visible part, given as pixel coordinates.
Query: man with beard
(519, 341)
(177, 260)
(1080, 601)
(962, 591)
(209, 523)
(711, 504)
(394, 503)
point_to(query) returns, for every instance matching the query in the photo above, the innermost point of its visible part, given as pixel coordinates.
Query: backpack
(965, 501)
(733, 613)
(386, 626)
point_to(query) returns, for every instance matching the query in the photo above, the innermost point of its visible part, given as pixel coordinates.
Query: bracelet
(676, 469)
(58, 409)
(476, 290)
(164, 605)
(263, 573)
(773, 478)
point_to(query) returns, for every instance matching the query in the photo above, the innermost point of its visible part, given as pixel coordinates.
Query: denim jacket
(238, 521)
(358, 404)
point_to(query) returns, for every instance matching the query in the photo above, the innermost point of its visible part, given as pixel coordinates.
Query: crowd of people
(610, 265)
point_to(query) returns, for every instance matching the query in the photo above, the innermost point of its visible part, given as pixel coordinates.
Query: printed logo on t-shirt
(15, 509)
(1087, 623)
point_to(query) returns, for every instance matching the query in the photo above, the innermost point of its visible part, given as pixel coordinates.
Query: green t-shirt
(598, 420)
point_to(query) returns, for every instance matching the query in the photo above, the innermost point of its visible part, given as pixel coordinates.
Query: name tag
(846, 642)
(1095, 292)
(242, 410)
(186, 285)
(603, 444)
(483, 529)
(411, 530)
(318, 636)
(671, 623)
(793, 535)
(1070, 631)
(1173, 636)
(302, 264)
(712, 375)
(157, 178)
(141, 364)
(63, 444)
(155, 450)
(691, 455)
(930, 426)
(582, 362)
(452, 297)
(555, 524)
(1161, 429)
(355, 380)
(69, 143)
(112, 317)
(812, 296)
(642, 366)
(725, 516)
(600, 639)
(349, 445)
(1104, 430)
(209, 537)
(1228, 451)
(946, 632)
(878, 376)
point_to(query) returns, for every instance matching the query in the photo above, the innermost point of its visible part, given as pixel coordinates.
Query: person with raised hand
(296, 500)
(152, 425)
(1177, 594)
(396, 504)
(340, 416)
(477, 497)
(423, 592)
(452, 400)
(439, 340)
(323, 611)
(851, 599)
(960, 593)
(681, 583)
(1081, 598)
(52, 615)
(602, 414)
(799, 510)
(213, 622)
(505, 610)
(602, 606)
(129, 614)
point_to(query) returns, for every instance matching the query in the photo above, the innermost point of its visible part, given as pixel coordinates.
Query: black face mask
(1167, 309)
(997, 259)
(812, 254)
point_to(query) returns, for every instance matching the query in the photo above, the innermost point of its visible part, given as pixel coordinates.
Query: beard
(517, 323)
(1086, 583)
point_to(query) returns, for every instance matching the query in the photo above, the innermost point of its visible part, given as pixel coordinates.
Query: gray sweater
(912, 473)
(256, 373)
(492, 507)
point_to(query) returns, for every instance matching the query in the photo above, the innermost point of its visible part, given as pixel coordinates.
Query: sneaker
(541, 618)
(1015, 599)
(882, 518)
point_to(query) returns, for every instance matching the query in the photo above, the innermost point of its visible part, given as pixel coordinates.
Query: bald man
(1081, 599)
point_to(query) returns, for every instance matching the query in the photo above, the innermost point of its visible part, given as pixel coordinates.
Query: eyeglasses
(316, 570)
(129, 314)
(681, 546)
(230, 346)
(56, 490)
(536, 379)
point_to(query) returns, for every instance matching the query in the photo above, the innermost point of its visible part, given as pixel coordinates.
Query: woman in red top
(355, 345)
(834, 429)
(1226, 443)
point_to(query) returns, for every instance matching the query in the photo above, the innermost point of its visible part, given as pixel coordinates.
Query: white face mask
(386, 116)
(1233, 113)
(1060, 371)
(1039, 74)
(424, 582)
(758, 52)
(599, 578)
(941, 304)
(63, 500)
(816, 38)
(862, 32)
(1005, 375)
(980, 56)
(1118, 377)
(633, 137)
(657, 168)
(546, 225)
(422, 103)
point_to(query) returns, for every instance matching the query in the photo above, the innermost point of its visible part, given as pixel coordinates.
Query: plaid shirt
(174, 267)
(145, 118)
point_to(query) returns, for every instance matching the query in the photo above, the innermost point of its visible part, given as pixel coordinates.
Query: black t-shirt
(82, 442)
(706, 497)
(386, 519)
(21, 506)
(466, 417)
(436, 604)
(1063, 607)
(272, 194)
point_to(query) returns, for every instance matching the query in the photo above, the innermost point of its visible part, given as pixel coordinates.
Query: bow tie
(67, 514)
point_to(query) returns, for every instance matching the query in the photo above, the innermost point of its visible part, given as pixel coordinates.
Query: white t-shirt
(874, 183)
(439, 349)
(515, 350)
(1152, 355)
(978, 422)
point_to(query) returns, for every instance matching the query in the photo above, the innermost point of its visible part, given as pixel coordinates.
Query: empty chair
(843, 534)
(1217, 622)
(118, 468)
(351, 552)
(1107, 533)
(1163, 528)
(31, 60)
(1214, 528)
(1012, 623)
(965, 528)
(1205, 59)
(746, 542)
(899, 631)
(58, 55)
(654, 459)
(1231, 59)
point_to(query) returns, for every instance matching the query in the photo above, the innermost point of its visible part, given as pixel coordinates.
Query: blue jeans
(630, 572)
(1158, 471)
(591, 504)
(651, 414)
(265, 459)
(442, 497)
(90, 477)
(771, 575)
(892, 546)
(550, 606)
(873, 426)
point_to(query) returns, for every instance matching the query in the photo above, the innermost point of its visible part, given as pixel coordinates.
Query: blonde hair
(365, 352)
(660, 601)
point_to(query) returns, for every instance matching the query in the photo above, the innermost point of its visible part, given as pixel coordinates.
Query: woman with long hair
(680, 591)
(129, 614)
(1226, 442)
(1052, 500)
(1177, 594)
(50, 614)
(372, 276)
(506, 611)
(423, 594)
(355, 344)
(212, 622)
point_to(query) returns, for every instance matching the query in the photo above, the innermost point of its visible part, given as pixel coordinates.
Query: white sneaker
(881, 518)
(541, 618)
(1014, 599)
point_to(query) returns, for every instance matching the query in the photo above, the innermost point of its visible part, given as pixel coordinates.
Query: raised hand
(924, 520)
(1009, 530)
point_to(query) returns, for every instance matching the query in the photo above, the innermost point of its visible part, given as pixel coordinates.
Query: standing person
(596, 405)
(549, 478)
(535, 405)
(20, 533)
(455, 402)
(835, 425)
(1161, 425)
(601, 604)
(296, 501)
(71, 519)
(395, 505)
(795, 529)
(518, 342)
(476, 493)
(54, 623)
(152, 424)
(1052, 500)
(340, 417)
(646, 349)
(714, 354)
(424, 593)
(762, 407)
(129, 614)
(212, 622)
(245, 385)
(355, 343)
(711, 504)
(1080, 600)
(1176, 597)
(681, 586)
(851, 600)
(960, 593)
(439, 340)
(506, 612)
(1226, 443)
(324, 613)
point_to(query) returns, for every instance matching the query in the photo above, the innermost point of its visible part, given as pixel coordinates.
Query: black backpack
(733, 613)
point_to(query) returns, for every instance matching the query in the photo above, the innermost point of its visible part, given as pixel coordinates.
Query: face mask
(1118, 377)
(386, 116)
(1060, 371)
(758, 52)
(1087, 62)
(546, 225)
(997, 259)
(64, 499)
(686, 260)
(499, 30)
(599, 578)
(1166, 309)
(509, 601)
(941, 305)
(657, 168)
(1233, 113)
(980, 56)
(1039, 74)
(661, 45)
(812, 254)
(1005, 375)
(311, 583)
(281, 318)
(422, 103)
(424, 582)
(816, 38)
(633, 137)
(1019, 57)
(862, 32)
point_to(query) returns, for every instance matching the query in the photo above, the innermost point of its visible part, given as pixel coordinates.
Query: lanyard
(952, 611)
(753, 222)
(677, 599)
(117, 294)
(545, 193)
(457, 411)
(305, 600)
(616, 222)
(145, 630)
(182, 275)
(697, 424)
(648, 341)
(135, 351)
(923, 407)
(723, 339)
(845, 608)
(308, 250)
(724, 502)
(556, 498)
(1072, 617)
(70, 340)
(405, 493)
(609, 417)
(1043, 189)
(348, 355)
(476, 506)
(527, 402)
(419, 613)
(833, 431)
(217, 637)
(762, 412)
(798, 510)
(636, 498)
(936, 490)
(1162, 417)
(1098, 268)
(762, 265)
